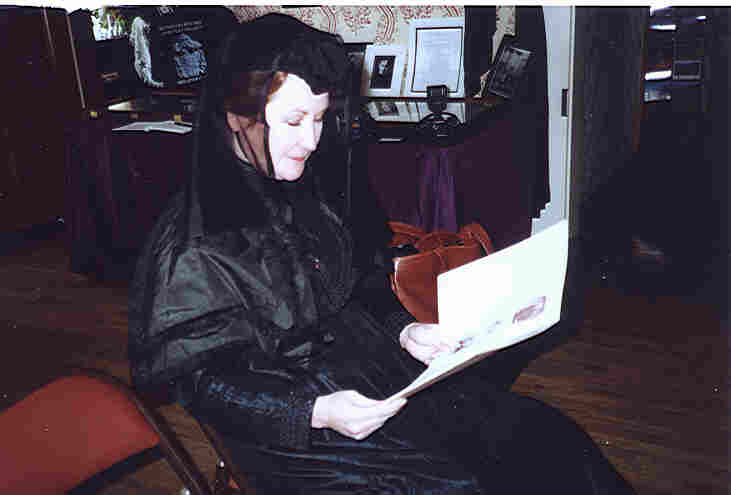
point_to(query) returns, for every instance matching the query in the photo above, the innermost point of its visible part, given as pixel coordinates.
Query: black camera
(436, 98)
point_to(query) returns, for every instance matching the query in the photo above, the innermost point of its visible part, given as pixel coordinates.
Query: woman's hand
(423, 341)
(352, 414)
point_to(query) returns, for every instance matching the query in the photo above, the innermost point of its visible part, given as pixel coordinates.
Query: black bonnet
(280, 42)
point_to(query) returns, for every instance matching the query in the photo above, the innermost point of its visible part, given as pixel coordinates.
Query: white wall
(560, 46)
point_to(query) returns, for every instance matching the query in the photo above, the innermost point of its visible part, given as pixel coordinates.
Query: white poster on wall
(436, 56)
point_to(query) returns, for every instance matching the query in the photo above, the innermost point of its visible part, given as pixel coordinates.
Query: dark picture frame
(508, 68)
(383, 71)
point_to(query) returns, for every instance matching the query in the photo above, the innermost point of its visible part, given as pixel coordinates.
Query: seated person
(243, 303)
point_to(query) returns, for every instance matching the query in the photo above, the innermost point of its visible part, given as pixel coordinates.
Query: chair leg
(223, 483)
(235, 481)
(223, 478)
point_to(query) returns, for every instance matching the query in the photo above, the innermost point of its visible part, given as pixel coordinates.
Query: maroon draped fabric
(437, 192)
(477, 180)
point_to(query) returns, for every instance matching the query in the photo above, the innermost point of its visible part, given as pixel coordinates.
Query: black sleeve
(256, 405)
(243, 390)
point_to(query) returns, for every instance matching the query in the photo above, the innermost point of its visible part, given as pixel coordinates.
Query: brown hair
(250, 91)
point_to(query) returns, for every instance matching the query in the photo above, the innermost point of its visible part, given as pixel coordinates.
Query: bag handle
(405, 233)
(476, 230)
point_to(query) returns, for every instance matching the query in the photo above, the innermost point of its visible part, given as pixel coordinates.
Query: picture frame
(389, 110)
(436, 56)
(383, 70)
(508, 68)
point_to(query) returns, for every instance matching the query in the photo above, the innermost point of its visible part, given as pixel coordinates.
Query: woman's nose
(309, 137)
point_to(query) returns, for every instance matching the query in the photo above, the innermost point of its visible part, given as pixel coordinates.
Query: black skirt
(462, 435)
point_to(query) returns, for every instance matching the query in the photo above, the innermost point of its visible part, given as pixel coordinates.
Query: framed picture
(508, 69)
(436, 56)
(383, 70)
(389, 110)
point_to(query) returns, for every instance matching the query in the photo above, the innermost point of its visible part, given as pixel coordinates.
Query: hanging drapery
(437, 193)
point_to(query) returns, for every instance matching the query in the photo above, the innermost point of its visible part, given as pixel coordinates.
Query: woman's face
(295, 117)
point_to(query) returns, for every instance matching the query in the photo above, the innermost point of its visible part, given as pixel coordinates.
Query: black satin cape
(254, 323)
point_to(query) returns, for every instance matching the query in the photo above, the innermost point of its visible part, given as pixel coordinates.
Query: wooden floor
(647, 375)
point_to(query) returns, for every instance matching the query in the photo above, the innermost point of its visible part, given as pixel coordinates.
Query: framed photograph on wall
(508, 69)
(436, 56)
(383, 70)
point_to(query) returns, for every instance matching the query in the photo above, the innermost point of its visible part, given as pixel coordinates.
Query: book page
(497, 301)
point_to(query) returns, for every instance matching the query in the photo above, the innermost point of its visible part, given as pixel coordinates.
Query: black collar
(228, 197)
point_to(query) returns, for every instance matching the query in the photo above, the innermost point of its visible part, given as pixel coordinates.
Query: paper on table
(164, 126)
(497, 301)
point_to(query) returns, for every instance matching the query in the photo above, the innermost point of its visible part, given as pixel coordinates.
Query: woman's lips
(298, 158)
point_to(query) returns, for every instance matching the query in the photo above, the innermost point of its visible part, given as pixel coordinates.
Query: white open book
(497, 301)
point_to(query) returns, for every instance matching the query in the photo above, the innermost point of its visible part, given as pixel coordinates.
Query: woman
(243, 304)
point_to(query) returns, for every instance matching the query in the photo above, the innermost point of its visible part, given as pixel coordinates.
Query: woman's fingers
(375, 417)
(360, 400)
(353, 414)
(422, 353)
(425, 340)
(370, 408)
(367, 428)
(423, 333)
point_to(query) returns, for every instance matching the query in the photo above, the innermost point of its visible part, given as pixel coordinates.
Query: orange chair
(77, 426)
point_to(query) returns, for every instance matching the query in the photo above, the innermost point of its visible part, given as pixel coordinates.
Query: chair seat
(63, 433)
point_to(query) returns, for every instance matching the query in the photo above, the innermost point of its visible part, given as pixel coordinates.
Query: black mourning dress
(244, 304)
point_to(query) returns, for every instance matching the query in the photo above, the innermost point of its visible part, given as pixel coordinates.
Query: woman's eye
(295, 119)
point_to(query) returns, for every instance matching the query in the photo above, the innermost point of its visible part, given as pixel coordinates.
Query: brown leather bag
(414, 280)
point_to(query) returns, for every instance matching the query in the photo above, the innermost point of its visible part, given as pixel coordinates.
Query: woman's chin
(290, 171)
